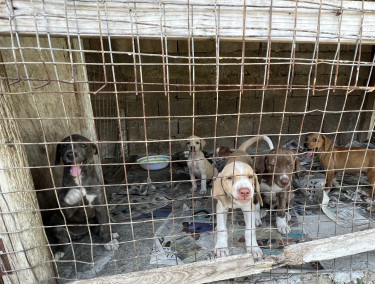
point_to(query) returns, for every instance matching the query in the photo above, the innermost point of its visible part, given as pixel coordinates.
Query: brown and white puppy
(336, 158)
(82, 199)
(234, 187)
(275, 171)
(198, 165)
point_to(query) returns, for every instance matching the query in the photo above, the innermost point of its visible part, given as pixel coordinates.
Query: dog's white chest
(269, 192)
(194, 164)
(90, 198)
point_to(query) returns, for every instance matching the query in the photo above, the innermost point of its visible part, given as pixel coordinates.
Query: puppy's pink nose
(284, 181)
(244, 193)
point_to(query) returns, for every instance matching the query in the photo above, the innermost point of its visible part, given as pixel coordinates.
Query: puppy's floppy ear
(95, 148)
(203, 143)
(259, 164)
(58, 154)
(327, 142)
(297, 166)
(257, 189)
(218, 190)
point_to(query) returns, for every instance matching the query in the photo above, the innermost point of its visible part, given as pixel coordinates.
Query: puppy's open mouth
(310, 153)
(75, 170)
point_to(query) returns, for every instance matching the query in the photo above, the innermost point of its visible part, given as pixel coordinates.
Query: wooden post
(21, 227)
(367, 121)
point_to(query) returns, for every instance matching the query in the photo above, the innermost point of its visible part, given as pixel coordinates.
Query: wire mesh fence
(139, 124)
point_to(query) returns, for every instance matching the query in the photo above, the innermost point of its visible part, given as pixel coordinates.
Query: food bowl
(154, 163)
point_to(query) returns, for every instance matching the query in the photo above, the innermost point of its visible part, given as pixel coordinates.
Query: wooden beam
(21, 228)
(367, 119)
(306, 20)
(243, 265)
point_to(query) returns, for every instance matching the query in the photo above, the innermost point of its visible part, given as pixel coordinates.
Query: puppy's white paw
(288, 217)
(74, 196)
(255, 251)
(203, 191)
(59, 255)
(115, 235)
(336, 184)
(112, 245)
(282, 225)
(258, 219)
(263, 213)
(221, 252)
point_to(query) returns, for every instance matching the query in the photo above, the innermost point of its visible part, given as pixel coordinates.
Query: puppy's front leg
(250, 236)
(104, 232)
(203, 184)
(281, 220)
(221, 247)
(258, 217)
(192, 178)
(330, 176)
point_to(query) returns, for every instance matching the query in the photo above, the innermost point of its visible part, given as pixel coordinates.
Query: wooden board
(331, 21)
(21, 227)
(47, 114)
(244, 265)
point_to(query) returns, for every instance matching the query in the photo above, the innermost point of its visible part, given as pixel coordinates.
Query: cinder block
(270, 125)
(200, 45)
(227, 104)
(227, 126)
(252, 104)
(205, 104)
(178, 107)
(292, 104)
(234, 48)
(246, 125)
(157, 128)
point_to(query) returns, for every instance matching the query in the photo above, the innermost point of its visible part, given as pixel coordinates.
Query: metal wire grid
(194, 89)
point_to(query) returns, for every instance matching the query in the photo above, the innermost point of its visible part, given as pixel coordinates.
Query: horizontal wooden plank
(303, 21)
(243, 265)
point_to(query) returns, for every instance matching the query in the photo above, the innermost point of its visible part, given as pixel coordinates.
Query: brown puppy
(335, 159)
(275, 172)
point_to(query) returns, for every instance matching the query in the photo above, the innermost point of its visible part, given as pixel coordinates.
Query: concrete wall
(271, 102)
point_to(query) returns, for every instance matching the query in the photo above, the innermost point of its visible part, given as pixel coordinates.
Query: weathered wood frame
(332, 21)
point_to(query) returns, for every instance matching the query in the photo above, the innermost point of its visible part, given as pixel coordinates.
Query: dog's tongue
(75, 170)
(309, 154)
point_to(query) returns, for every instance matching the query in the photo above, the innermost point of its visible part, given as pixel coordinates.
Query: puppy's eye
(83, 145)
(197, 143)
(251, 176)
(229, 178)
(63, 146)
(290, 165)
(314, 140)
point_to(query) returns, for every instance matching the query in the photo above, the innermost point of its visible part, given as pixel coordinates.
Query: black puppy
(82, 188)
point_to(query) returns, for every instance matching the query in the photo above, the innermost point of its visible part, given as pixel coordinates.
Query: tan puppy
(234, 188)
(198, 164)
(335, 159)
